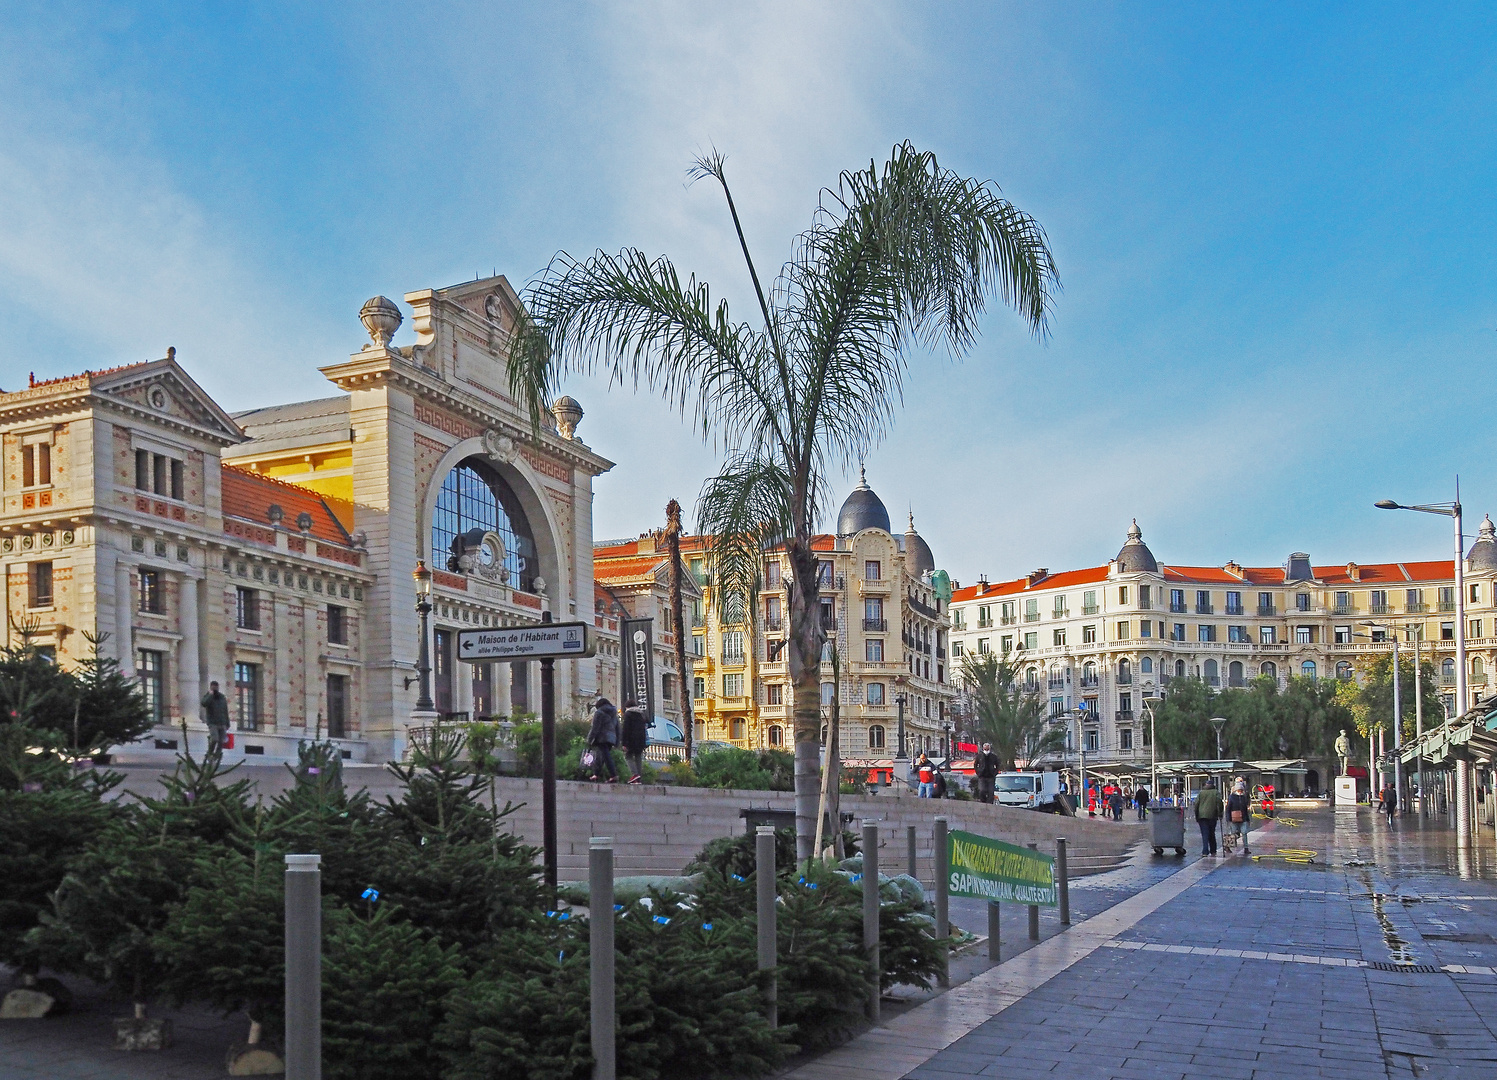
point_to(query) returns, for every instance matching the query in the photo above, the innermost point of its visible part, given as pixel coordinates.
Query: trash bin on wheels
(1168, 824)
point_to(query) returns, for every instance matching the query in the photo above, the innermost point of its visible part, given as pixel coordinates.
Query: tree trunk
(687, 688)
(806, 637)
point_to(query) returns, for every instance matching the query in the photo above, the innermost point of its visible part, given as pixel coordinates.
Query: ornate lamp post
(423, 655)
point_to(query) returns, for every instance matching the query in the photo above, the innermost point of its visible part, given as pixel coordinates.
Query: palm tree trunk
(673, 544)
(806, 636)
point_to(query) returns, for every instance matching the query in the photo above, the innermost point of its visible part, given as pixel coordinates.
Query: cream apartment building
(884, 605)
(1108, 639)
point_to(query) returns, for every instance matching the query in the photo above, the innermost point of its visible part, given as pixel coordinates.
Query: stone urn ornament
(381, 318)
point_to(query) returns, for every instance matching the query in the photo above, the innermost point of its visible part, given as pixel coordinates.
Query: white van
(1034, 790)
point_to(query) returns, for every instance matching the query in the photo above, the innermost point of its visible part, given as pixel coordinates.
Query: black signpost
(545, 642)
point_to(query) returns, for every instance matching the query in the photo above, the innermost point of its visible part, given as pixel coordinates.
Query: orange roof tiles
(627, 568)
(1066, 579)
(249, 496)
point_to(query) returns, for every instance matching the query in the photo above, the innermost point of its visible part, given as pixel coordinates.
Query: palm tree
(1006, 715)
(897, 258)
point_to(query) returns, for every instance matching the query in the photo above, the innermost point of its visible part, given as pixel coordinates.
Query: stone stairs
(658, 830)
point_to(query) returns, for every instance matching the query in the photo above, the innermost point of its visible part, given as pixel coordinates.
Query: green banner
(992, 870)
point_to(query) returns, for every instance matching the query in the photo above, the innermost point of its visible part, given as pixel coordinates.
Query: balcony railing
(1415, 608)
(1344, 609)
(1204, 609)
(1125, 678)
(1234, 609)
(1057, 684)
(1060, 613)
(1212, 680)
(1122, 716)
(774, 624)
(1178, 609)
(940, 652)
(1089, 609)
(983, 624)
(698, 621)
(1447, 680)
(1266, 610)
(732, 657)
(1380, 609)
(1031, 616)
(1089, 682)
(1447, 605)
(1007, 620)
(881, 625)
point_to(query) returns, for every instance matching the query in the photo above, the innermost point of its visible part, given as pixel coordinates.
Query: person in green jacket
(1208, 813)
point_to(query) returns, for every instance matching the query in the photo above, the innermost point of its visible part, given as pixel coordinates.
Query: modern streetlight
(1397, 709)
(1451, 510)
(1218, 722)
(1080, 715)
(1148, 711)
(423, 654)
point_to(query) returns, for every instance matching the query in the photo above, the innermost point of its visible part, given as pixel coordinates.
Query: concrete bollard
(1063, 880)
(303, 967)
(943, 898)
(1034, 910)
(600, 946)
(765, 882)
(909, 836)
(993, 932)
(870, 910)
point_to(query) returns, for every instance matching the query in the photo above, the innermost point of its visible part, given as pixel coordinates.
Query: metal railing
(1380, 609)
(1232, 609)
(1416, 608)
(1007, 620)
(1447, 605)
(1031, 616)
(881, 625)
(1061, 613)
(1089, 609)
(1178, 609)
(1265, 610)
(773, 624)
(1205, 609)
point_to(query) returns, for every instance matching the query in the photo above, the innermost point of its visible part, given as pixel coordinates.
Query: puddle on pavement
(1398, 948)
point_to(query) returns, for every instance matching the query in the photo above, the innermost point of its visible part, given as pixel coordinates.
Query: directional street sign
(546, 640)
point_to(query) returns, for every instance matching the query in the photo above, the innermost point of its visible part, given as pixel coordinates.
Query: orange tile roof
(627, 568)
(1066, 579)
(249, 496)
(1205, 575)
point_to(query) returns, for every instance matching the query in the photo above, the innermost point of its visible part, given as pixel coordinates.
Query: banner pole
(943, 891)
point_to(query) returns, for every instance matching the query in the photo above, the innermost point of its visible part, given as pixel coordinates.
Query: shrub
(731, 767)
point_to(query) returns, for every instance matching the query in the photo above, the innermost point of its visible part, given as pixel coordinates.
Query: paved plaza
(1376, 959)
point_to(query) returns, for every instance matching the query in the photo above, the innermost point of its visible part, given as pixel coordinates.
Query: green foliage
(1302, 720)
(224, 944)
(385, 985)
(1373, 706)
(76, 713)
(1008, 716)
(747, 770)
(729, 855)
(571, 739)
(40, 833)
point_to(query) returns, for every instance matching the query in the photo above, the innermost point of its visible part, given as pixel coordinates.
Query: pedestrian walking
(1116, 804)
(1390, 801)
(216, 715)
(939, 785)
(986, 766)
(1091, 800)
(602, 737)
(1141, 801)
(634, 737)
(1208, 812)
(1240, 812)
(925, 772)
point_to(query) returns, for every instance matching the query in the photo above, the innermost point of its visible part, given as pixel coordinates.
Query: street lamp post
(1451, 510)
(1148, 711)
(899, 701)
(1397, 709)
(1080, 715)
(1218, 722)
(423, 654)
(949, 747)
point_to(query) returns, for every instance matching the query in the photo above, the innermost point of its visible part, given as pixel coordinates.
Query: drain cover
(1407, 969)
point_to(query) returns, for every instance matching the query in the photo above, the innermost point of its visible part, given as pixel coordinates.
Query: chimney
(982, 584)
(1354, 571)
(1033, 579)
(1235, 570)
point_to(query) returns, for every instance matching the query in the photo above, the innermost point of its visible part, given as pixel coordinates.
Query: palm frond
(743, 510)
(635, 318)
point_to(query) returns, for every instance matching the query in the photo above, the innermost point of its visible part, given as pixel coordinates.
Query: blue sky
(1274, 226)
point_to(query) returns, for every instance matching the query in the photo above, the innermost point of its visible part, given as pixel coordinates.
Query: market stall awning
(1472, 736)
(1203, 768)
(1289, 766)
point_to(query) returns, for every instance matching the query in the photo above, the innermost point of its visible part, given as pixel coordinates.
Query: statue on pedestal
(1343, 750)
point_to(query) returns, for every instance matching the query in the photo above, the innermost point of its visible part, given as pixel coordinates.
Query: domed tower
(862, 510)
(1135, 555)
(918, 559)
(1483, 553)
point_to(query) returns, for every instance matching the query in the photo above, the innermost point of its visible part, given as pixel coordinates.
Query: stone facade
(273, 551)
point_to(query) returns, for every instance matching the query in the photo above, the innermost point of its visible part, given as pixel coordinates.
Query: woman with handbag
(1240, 812)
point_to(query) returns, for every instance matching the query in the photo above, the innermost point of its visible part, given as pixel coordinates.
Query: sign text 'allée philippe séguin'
(546, 640)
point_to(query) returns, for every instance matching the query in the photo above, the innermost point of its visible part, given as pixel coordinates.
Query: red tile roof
(249, 496)
(1367, 574)
(627, 568)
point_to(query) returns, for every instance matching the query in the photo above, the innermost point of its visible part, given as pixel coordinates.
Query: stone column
(189, 661)
(124, 612)
(312, 678)
(281, 665)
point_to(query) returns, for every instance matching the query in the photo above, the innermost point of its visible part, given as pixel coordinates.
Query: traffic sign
(540, 642)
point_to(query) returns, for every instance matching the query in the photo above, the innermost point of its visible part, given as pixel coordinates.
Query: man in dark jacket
(1141, 801)
(986, 766)
(1208, 813)
(636, 736)
(216, 716)
(602, 737)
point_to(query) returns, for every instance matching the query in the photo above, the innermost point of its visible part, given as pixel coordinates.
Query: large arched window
(1211, 676)
(1343, 670)
(1179, 669)
(876, 737)
(1269, 668)
(1146, 665)
(473, 496)
(1234, 673)
(1447, 671)
(1307, 669)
